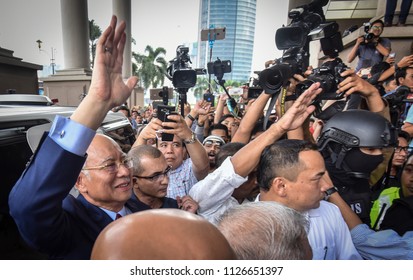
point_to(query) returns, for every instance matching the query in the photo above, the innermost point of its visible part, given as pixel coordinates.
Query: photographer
(370, 48)
(185, 154)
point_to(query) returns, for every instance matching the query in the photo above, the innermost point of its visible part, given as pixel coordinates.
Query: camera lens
(271, 79)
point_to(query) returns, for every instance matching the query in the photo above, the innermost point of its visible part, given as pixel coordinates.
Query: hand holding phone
(162, 113)
(209, 97)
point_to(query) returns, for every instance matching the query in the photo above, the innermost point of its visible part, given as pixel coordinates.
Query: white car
(21, 128)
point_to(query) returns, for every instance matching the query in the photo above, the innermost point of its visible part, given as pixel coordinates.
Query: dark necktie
(118, 216)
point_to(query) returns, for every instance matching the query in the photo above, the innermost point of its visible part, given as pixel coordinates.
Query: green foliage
(200, 87)
(202, 83)
(232, 83)
(94, 33)
(150, 67)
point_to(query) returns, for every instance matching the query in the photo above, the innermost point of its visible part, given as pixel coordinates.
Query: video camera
(368, 37)
(254, 89)
(219, 68)
(179, 71)
(307, 24)
(400, 95)
(329, 76)
(397, 103)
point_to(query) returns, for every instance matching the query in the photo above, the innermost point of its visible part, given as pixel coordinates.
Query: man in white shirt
(291, 172)
(221, 190)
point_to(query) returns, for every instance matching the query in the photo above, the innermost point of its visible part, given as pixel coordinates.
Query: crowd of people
(228, 186)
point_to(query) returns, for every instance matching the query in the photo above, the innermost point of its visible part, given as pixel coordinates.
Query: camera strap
(273, 100)
(285, 98)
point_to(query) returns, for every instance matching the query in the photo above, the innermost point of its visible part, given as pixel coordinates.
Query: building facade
(238, 19)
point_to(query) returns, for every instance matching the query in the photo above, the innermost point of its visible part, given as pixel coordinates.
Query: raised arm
(245, 160)
(354, 84)
(404, 62)
(199, 157)
(353, 53)
(248, 121)
(221, 107)
(107, 88)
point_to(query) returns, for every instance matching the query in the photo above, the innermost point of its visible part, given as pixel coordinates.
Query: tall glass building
(238, 17)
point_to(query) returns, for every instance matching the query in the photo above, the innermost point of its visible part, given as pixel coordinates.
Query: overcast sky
(159, 23)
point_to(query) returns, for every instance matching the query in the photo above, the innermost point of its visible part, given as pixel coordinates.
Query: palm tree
(94, 33)
(151, 68)
(232, 83)
(200, 87)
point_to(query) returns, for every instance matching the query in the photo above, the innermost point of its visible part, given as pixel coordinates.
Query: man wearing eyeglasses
(395, 183)
(185, 154)
(151, 179)
(370, 49)
(51, 220)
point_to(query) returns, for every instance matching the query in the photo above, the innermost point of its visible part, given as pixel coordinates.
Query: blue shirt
(369, 55)
(65, 132)
(382, 245)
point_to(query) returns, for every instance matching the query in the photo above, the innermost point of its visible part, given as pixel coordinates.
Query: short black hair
(227, 150)
(123, 107)
(379, 67)
(378, 21)
(218, 126)
(400, 73)
(404, 134)
(279, 157)
(224, 117)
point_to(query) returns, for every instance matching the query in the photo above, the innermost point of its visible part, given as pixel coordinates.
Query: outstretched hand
(355, 84)
(107, 83)
(107, 88)
(300, 109)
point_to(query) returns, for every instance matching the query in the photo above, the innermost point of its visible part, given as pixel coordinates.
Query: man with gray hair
(266, 231)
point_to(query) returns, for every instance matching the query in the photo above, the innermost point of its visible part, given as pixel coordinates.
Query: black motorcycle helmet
(354, 129)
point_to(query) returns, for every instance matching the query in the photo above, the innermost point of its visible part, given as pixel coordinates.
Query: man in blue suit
(48, 217)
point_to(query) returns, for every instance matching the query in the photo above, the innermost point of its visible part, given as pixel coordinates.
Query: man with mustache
(212, 144)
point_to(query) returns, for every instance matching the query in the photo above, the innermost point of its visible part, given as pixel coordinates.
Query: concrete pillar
(71, 83)
(381, 8)
(122, 9)
(75, 26)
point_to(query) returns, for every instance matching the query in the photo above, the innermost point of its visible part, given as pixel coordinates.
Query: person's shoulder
(385, 41)
(169, 203)
(327, 208)
(393, 190)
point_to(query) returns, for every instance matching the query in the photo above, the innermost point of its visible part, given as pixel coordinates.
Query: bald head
(161, 234)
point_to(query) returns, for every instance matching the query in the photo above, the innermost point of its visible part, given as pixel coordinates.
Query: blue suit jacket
(49, 219)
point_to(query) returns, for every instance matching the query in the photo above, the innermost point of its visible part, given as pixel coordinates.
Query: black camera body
(329, 76)
(307, 24)
(368, 37)
(254, 92)
(254, 89)
(273, 78)
(162, 113)
(179, 71)
(209, 97)
(219, 68)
